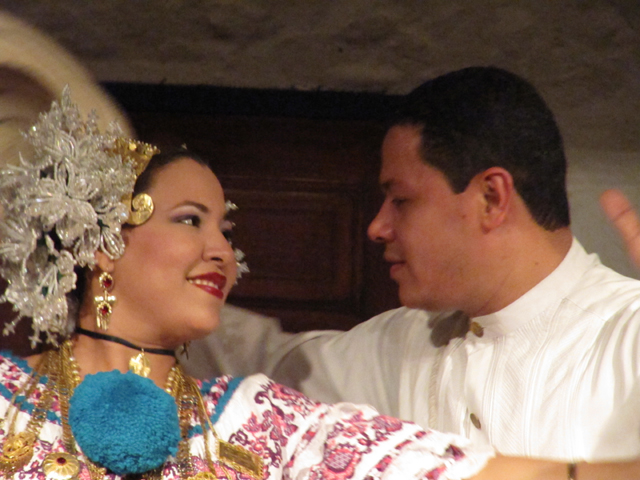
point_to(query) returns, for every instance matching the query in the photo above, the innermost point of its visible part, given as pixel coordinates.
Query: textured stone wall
(584, 55)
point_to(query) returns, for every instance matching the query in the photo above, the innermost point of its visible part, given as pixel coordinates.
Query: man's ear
(497, 189)
(103, 262)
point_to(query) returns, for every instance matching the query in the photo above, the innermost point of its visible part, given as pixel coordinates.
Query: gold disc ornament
(16, 452)
(61, 466)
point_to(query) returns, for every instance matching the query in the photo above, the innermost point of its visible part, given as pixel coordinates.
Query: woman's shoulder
(14, 371)
(255, 392)
(7, 358)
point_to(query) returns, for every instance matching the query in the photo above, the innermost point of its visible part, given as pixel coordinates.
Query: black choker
(121, 341)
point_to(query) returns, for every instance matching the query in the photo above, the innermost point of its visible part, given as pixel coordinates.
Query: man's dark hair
(480, 117)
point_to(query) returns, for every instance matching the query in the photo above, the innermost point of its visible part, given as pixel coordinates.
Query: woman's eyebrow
(203, 208)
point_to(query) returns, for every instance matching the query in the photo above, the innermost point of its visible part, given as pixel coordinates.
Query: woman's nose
(218, 249)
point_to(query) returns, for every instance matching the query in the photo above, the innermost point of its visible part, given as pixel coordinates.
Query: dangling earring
(104, 303)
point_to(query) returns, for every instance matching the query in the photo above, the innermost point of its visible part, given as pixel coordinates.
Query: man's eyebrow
(386, 186)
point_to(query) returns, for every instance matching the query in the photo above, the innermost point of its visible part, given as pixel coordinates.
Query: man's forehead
(391, 182)
(401, 170)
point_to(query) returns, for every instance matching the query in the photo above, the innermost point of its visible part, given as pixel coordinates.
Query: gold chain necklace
(63, 375)
(18, 448)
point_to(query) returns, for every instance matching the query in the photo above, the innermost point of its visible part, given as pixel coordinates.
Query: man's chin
(415, 300)
(411, 299)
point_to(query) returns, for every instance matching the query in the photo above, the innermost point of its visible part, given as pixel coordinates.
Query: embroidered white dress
(296, 437)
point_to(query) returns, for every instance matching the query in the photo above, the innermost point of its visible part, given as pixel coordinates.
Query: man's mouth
(395, 266)
(212, 283)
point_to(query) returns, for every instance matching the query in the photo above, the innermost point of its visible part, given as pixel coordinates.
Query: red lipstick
(213, 283)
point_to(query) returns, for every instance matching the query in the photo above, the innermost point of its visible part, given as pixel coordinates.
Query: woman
(111, 399)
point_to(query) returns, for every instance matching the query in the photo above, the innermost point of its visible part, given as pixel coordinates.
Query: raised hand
(626, 220)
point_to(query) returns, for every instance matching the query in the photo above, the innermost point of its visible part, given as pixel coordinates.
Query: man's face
(427, 229)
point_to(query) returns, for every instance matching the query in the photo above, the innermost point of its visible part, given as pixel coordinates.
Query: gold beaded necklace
(62, 371)
(17, 448)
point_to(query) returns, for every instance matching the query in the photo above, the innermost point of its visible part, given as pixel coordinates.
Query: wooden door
(305, 179)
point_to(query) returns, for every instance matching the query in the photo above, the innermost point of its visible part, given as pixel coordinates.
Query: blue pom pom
(124, 422)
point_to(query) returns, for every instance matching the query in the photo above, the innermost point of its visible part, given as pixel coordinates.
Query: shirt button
(475, 421)
(477, 329)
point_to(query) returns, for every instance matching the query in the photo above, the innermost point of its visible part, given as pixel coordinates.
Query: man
(534, 346)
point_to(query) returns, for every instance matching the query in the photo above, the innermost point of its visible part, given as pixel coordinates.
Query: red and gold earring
(104, 303)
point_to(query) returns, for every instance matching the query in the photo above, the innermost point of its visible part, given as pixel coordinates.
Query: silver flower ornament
(59, 206)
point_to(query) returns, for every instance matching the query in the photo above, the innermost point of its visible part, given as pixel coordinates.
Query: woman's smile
(212, 283)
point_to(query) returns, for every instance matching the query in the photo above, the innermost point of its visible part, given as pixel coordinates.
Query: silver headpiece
(59, 206)
(239, 255)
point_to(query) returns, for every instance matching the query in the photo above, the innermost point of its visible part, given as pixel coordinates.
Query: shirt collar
(541, 297)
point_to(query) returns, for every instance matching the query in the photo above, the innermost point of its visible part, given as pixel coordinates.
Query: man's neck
(519, 265)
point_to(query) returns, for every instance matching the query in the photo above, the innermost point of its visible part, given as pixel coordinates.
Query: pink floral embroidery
(214, 392)
(271, 428)
(387, 424)
(384, 463)
(292, 398)
(435, 473)
(455, 452)
(367, 431)
(339, 463)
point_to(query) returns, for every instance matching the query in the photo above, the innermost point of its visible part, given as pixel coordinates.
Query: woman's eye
(398, 201)
(193, 220)
(227, 230)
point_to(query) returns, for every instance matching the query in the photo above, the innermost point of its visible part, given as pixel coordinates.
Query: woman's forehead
(188, 179)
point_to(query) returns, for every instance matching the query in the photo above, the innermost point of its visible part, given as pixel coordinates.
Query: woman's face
(178, 267)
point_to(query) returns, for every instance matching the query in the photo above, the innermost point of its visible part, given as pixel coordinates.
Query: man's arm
(244, 343)
(362, 365)
(510, 468)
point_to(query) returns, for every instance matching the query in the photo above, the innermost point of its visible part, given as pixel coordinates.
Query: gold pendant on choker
(61, 466)
(16, 452)
(140, 365)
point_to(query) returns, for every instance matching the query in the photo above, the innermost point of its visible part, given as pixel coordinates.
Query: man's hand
(625, 219)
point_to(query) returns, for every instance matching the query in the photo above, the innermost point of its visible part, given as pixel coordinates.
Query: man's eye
(398, 201)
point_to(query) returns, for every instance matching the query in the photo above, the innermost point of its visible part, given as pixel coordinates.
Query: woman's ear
(497, 188)
(103, 262)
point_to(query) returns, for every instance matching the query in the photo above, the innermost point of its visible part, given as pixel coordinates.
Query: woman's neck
(99, 355)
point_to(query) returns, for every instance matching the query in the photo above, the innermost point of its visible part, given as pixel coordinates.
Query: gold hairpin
(139, 154)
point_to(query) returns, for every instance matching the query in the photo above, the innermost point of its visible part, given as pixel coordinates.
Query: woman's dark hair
(145, 180)
(480, 117)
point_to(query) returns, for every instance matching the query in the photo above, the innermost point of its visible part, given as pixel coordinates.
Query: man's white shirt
(554, 375)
